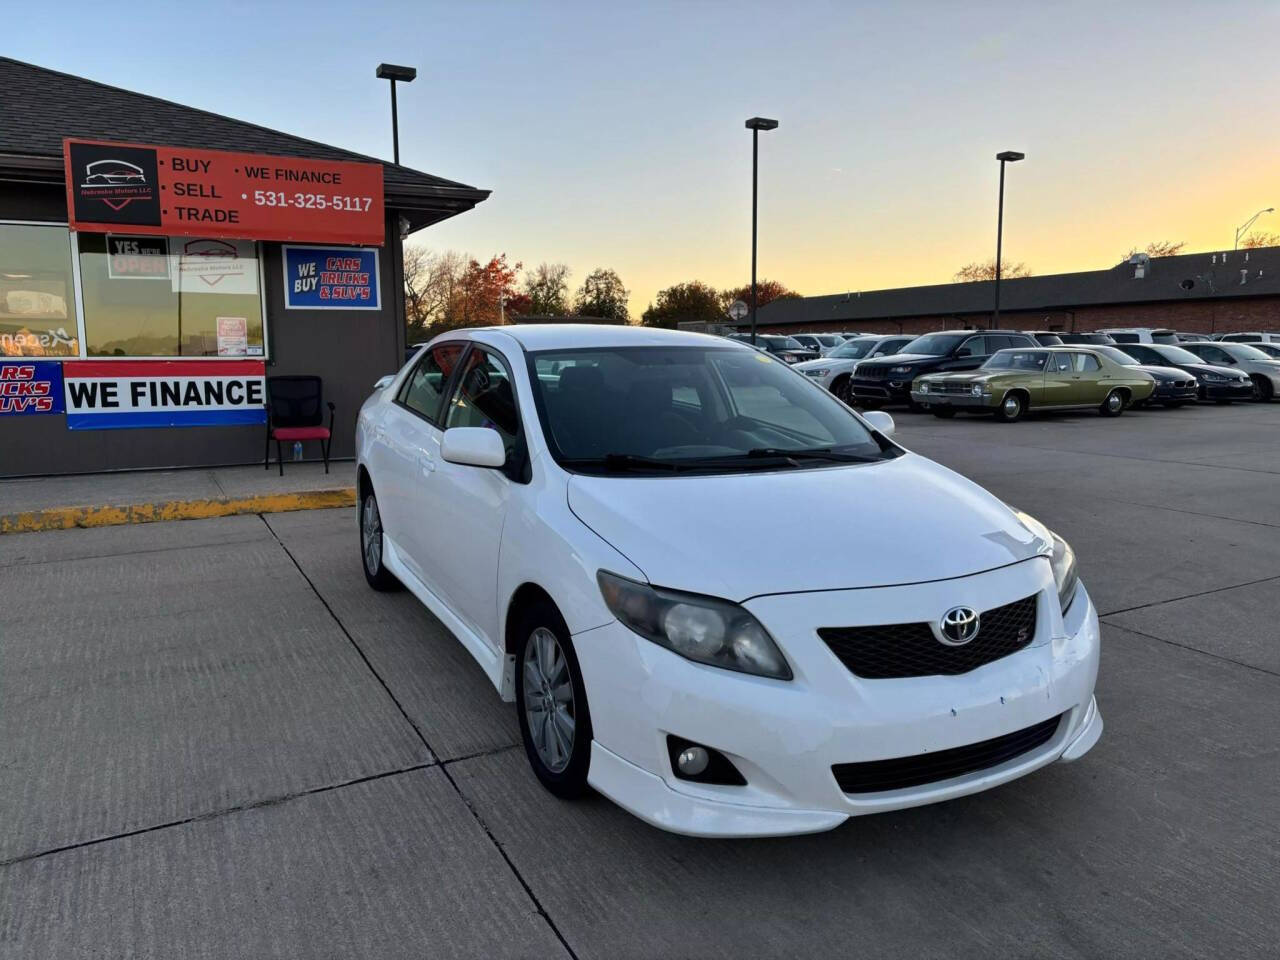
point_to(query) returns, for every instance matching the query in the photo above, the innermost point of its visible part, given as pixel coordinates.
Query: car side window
(423, 390)
(1085, 363)
(1061, 363)
(995, 343)
(973, 347)
(484, 397)
(1216, 355)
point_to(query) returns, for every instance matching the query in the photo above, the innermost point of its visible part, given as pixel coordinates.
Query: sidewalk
(108, 499)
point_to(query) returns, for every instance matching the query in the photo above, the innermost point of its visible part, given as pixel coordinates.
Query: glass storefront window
(37, 300)
(170, 297)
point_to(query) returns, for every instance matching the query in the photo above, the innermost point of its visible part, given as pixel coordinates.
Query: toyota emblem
(958, 626)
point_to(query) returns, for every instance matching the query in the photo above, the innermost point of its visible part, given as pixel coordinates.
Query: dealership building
(1223, 291)
(159, 262)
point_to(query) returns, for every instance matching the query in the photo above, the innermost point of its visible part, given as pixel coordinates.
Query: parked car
(1174, 387)
(1250, 337)
(1220, 384)
(787, 349)
(888, 380)
(1085, 339)
(1193, 337)
(836, 369)
(1012, 382)
(581, 533)
(1046, 338)
(1141, 335)
(1263, 370)
(820, 343)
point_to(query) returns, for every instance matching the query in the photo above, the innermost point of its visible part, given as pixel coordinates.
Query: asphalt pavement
(216, 741)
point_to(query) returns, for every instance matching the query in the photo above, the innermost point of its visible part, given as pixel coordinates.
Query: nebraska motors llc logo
(113, 183)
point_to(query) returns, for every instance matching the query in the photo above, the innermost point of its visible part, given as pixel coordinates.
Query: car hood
(969, 375)
(826, 363)
(1161, 373)
(900, 521)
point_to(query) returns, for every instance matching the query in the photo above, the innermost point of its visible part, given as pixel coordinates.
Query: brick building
(1216, 292)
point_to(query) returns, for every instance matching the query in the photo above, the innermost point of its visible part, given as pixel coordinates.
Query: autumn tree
(683, 302)
(602, 295)
(547, 289)
(477, 301)
(430, 280)
(766, 292)
(986, 270)
(1159, 248)
(1259, 239)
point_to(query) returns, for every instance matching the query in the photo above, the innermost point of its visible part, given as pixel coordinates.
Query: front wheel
(843, 390)
(1262, 389)
(1113, 406)
(1011, 408)
(551, 702)
(371, 546)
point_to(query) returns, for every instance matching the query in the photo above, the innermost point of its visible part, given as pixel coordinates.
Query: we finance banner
(118, 394)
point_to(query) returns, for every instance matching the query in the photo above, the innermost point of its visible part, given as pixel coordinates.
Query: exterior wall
(1233, 315)
(350, 349)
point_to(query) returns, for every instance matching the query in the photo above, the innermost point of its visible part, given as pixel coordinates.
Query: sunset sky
(612, 134)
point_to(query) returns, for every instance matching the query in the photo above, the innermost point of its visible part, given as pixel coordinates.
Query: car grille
(877, 776)
(911, 649)
(949, 387)
(871, 372)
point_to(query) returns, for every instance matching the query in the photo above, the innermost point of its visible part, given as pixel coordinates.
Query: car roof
(568, 336)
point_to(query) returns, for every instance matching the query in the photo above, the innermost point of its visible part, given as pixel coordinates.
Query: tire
(943, 413)
(371, 545)
(1011, 408)
(1262, 390)
(547, 673)
(1114, 405)
(842, 389)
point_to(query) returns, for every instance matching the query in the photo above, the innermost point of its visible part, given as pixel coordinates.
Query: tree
(684, 301)
(430, 280)
(766, 292)
(986, 270)
(1159, 248)
(602, 295)
(547, 290)
(1258, 239)
(476, 300)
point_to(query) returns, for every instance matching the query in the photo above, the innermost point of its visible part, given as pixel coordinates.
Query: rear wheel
(371, 544)
(1113, 406)
(1011, 408)
(551, 702)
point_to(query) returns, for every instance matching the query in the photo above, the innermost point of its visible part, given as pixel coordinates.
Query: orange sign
(212, 193)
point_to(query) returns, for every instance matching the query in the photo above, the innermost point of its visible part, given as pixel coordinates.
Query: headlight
(818, 373)
(1063, 559)
(976, 390)
(899, 369)
(924, 388)
(1211, 377)
(704, 629)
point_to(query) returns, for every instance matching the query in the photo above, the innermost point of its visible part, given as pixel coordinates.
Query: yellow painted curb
(64, 518)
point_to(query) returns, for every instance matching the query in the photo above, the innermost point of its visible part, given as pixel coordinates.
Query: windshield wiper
(813, 453)
(624, 461)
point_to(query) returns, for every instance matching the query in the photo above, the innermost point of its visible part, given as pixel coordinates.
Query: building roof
(1192, 276)
(41, 106)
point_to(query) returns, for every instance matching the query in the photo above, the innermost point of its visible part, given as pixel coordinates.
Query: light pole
(1242, 230)
(1006, 156)
(392, 72)
(755, 125)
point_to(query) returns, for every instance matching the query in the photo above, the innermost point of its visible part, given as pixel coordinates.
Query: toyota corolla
(594, 513)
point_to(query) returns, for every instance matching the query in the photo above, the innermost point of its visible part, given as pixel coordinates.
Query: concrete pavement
(215, 741)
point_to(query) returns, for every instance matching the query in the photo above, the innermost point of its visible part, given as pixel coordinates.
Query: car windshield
(1119, 356)
(1176, 354)
(1029, 360)
(853, 349)
(690, 409)
(1270, 349)
(934, 344)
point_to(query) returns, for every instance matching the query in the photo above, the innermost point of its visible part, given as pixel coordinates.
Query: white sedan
(835, 370)
(1262, 369)
(593, 512)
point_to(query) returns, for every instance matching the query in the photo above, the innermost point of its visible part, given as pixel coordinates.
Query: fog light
(693, 761)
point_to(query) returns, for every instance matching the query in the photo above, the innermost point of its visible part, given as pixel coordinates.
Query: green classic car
(1014, 381)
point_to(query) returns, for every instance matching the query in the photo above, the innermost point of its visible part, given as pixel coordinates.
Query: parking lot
(217, 741)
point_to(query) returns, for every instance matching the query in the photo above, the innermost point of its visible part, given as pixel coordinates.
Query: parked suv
(1250, 337)
(1141, 335)
(877, 382)
(834, 370)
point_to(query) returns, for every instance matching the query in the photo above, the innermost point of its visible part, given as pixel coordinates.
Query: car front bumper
(893, 390)
(961, 401)
(786, 736)
(1225, 391)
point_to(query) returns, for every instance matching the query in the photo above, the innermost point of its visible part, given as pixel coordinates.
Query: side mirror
(879, 420)
(473, 447)
(383, 382)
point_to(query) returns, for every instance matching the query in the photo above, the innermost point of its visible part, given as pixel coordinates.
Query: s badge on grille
(958, 626)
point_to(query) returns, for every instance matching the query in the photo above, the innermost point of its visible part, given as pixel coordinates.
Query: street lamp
(1005, 156)
(755, 125)
(392, 72)
(1241, 231)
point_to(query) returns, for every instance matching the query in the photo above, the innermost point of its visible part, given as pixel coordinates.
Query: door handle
(426, 463)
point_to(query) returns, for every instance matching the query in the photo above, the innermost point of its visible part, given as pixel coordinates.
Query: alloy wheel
(548, 700)
(1115, 402)
(371, 535)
